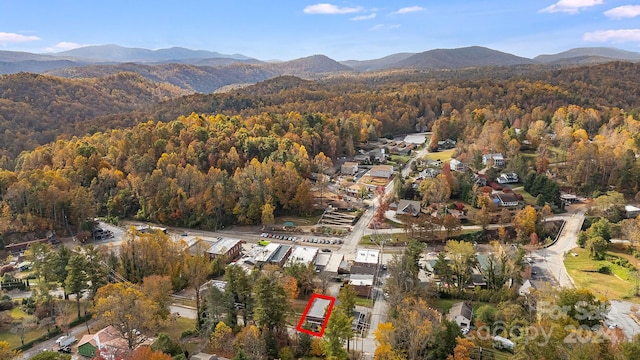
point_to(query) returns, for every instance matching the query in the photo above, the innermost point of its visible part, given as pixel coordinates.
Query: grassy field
(443, 156)
(175, 329)
(528, 198)
(366, 302)
(584, 271)
(14, 339)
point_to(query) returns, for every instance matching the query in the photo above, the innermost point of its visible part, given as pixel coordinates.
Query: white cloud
(63, 46)
(331, 9)
(11, 38)
(364, 17)
(621, 12)
(406, 10)
(616, 36)
(571, 6)
(384, 27)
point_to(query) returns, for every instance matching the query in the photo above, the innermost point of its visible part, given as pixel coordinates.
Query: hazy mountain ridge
(206, 71)
(593, 52)
(203, 79)
(376, 64)
(107, 53)
(472, 56)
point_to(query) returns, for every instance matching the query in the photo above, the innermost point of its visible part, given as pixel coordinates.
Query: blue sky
(342, 30)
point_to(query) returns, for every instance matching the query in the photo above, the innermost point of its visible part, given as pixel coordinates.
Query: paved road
(51, 343)
(553, 256)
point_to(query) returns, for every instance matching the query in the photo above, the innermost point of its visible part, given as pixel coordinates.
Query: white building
(367, 257)
(303, 254)
(498, 159)
(457, 165)
(349, 168)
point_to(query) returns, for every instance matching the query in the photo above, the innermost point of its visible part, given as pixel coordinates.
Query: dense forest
(35, 109)
(245, 155)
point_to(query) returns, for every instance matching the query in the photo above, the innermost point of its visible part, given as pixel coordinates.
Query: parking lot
(312, 240)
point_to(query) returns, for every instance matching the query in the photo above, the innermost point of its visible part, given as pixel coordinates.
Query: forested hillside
(196, 171)
(35, 109)
(245, 155)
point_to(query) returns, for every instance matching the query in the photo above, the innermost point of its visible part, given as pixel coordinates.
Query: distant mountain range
(207, 71)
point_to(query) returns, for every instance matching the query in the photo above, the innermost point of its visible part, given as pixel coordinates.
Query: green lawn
(528, 198)
(14, 339)
(619, 284)
(175, 329)
(443, 156)
(366, 302)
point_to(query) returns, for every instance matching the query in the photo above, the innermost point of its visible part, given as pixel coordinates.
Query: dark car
(326, 250)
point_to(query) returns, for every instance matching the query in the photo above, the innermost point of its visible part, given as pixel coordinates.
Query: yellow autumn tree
(462, 351)
(221, 340)
(128, 309)
(385, 337)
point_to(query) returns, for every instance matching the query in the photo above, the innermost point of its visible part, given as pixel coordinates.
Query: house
(408, 207)
(529, 286)
(383, 171)
(362, 159)
(498, 159)
(457, 165)
(507, 178)
(428, 173)
(446, 144)
(354, 190)
(108, 340)
(480, 179)
(462, 314)
(349, 168)
(631, 211)
(378, 156)
(506, 199)
(229, 249)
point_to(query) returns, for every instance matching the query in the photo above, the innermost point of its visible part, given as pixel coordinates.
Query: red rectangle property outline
(326, 318)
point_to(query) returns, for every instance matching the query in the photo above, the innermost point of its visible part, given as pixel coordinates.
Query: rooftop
(279, 254)
(222, 246)
(361, 279)
(267, 251)
(323, 259)
(303, 255)
(334, 263)
(318, 308)
(367, 256)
